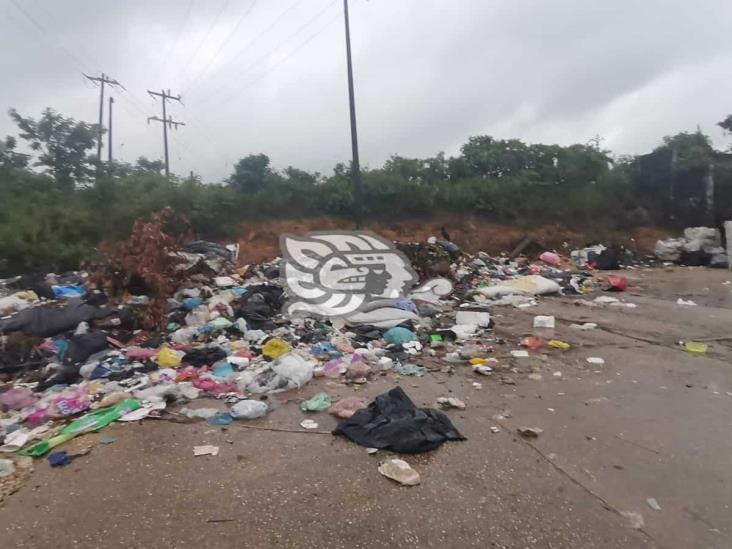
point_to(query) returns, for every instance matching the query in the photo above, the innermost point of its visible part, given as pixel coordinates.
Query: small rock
(653, 504)
(206, 450)
(400, 471)
(529, 432)
(371, 451)
(535, 377)
(451, 402)
(495, 429)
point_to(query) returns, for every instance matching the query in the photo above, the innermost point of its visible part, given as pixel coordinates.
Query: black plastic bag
(49, 321)
(393, 422)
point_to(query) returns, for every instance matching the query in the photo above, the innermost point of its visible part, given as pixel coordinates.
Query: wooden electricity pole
(109, 139)
(167, 121)
(104, 79)
(355, 164)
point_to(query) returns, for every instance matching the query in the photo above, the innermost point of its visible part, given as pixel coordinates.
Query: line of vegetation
(55, 210)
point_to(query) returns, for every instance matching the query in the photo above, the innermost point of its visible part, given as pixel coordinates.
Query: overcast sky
(270, 75)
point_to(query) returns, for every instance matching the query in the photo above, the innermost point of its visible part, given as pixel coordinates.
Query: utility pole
(104, 79)
(109, 144)
(355, 164)
(167, 121)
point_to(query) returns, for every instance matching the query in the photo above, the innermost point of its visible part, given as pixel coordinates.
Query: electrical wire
(174, 43)
(45, 34)
(228, 37)
(251, 43)
(201, 42)
(297, 49)
(214, 95)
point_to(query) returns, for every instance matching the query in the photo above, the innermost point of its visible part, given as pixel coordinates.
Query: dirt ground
(652, 422)
(260, 238)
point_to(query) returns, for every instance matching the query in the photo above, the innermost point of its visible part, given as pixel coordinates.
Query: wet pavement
(653, 422)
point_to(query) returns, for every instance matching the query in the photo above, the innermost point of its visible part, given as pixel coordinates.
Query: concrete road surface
(653, 422)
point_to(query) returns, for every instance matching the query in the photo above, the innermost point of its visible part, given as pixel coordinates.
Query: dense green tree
(693, 150)
(295, 176)
(62, 144)
(726, 124)
(250, 173)
(9, 157)
(144, 166)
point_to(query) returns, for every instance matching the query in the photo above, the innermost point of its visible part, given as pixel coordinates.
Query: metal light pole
(355, 165)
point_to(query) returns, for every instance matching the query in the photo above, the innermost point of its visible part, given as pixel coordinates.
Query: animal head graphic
(337, 273)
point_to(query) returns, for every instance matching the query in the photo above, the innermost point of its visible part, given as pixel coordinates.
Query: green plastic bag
(90, 422)
(318, 403)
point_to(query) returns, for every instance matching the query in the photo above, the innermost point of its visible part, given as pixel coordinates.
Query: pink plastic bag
(348, 406)
(69, 404)
(551, 258)
(335, 367)
(17, 398)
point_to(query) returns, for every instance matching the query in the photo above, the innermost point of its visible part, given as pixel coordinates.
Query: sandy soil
(260, 239)
(653, 422)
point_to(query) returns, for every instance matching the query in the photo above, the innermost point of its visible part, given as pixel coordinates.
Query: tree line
(57, 205)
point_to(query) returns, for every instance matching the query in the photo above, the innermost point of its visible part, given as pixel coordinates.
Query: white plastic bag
(479, 318)
(249, 409)
(290, 371)
(530, 284)
(294, 368)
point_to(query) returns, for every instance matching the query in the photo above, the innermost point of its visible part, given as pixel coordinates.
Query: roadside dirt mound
(260, 239)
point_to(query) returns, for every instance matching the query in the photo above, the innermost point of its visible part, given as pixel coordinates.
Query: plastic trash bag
(90, 422)
(669, 249)
(200, 413)
(393, 422)
(17, 398)
(348, 406)
(398, 335)
(290, 371)
(481, 319)
(551, 258)
(275, 348)
(385, 317)
(168, 358)
(317, 403)
(531, 285)
(294, 368)
(68, 291)
(249, 409)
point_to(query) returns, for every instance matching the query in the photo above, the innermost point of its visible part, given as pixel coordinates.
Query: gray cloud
(429, 73)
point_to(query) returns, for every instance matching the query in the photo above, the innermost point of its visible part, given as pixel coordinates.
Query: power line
(221, 46)
(46, 34)
(211, 27)
(251, 43)
(296, 50)
(216, 93)
(174, 43)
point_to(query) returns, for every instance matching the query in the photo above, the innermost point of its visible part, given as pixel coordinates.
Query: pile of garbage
(700, 246)
(79, 351)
